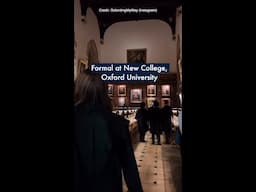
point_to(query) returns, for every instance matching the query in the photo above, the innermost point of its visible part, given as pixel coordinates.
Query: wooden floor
(159, 166)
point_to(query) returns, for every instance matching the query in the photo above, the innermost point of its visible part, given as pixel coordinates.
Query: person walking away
(142, 117)
(167, 115)
(155, 122)
(102, 143)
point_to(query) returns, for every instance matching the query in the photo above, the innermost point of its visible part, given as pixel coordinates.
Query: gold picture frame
(136, 96)
(121, 90)
(150, 101)
(110, 89)
(82, 65)
(136, 55)
(151, 90)
(165, 90)
(165, 101)
(121, 101)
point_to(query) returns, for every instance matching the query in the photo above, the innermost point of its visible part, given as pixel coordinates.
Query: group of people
(155, 120)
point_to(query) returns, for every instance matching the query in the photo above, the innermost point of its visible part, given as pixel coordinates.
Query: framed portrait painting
(136, 55)
(121, 101)
(82, 65)
(136, 96)
(165, 90)
(150, 101)
(110, 89)
(165, 101)
(151, 90)
(121, 90)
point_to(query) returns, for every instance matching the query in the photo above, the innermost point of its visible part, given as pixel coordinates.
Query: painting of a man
(136, 56)
(151, 90)
(110, 89)
(122, 90)
(165, 90)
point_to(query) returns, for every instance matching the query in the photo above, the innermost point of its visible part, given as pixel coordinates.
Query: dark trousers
(142, 130)
(142, 135)
(167, 136)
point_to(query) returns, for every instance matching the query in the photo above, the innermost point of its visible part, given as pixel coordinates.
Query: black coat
(94, 126)
(166, 119)
(142, 119)
(155, 120)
